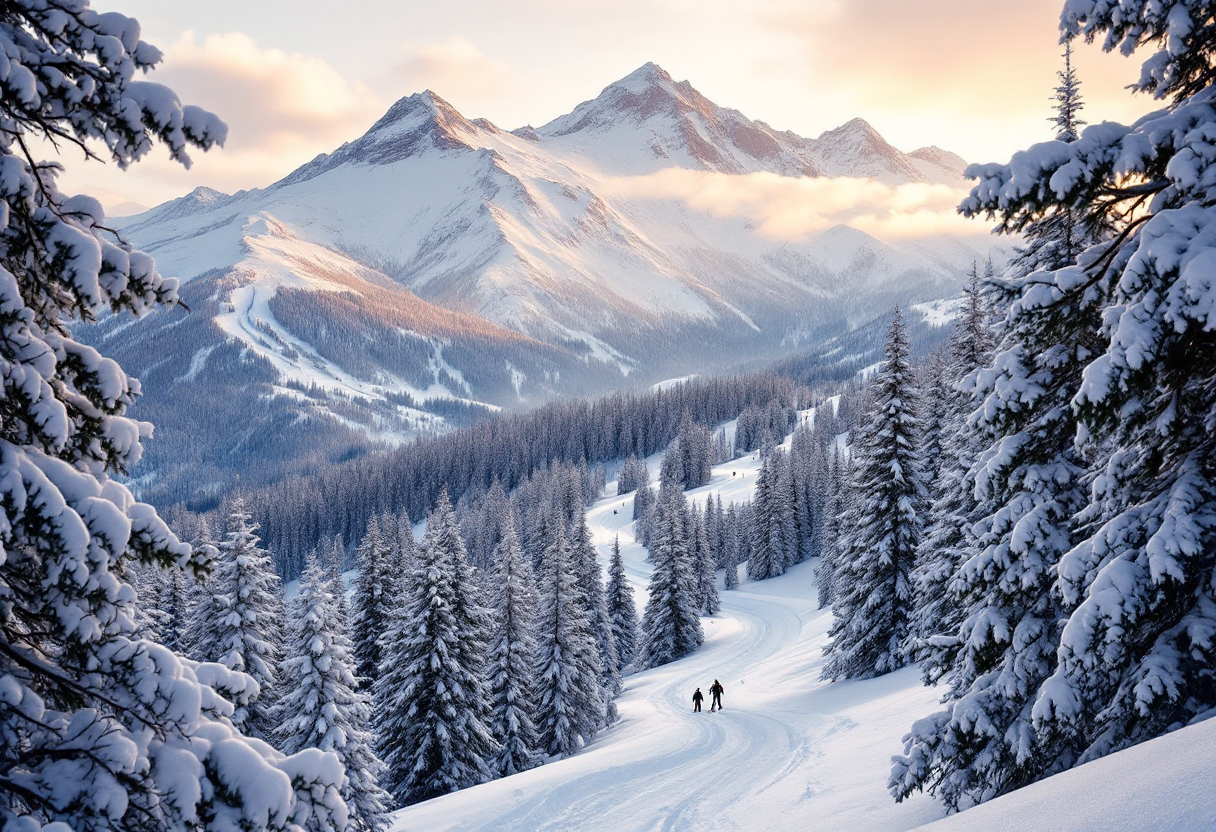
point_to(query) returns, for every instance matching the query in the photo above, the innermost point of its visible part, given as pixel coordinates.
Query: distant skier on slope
(697, 698)
(716, 690)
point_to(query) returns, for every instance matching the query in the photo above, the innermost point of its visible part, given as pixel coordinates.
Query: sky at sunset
(294, 79)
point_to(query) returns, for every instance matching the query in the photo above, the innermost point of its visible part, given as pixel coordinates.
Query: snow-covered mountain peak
(856, 149)
(423, 112)
(646, 121)
(641, 94)
(934, 155)
(644, 77)
(198, 201)
(413, 126)
(527, 132)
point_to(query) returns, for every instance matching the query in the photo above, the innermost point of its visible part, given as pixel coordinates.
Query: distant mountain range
(438, 266)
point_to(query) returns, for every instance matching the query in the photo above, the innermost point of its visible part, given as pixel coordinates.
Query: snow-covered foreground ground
(1164, 784)
(787, 752)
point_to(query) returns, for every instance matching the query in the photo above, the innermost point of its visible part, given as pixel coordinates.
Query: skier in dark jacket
(716, 691)
(696, 701)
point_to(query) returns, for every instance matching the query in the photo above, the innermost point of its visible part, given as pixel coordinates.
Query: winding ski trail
(787, 752)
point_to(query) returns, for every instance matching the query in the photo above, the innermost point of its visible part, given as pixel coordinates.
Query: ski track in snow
(788, 751)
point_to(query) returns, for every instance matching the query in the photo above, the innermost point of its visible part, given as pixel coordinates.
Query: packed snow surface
(789, 751)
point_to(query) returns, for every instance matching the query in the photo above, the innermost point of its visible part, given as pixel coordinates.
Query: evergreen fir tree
(774, 544)
(175, 603)
(512, 658)
(591, 584)
(1059, 232)
(881, 530)
(1030, 482)
(807, 481)
(432, 703)
(670, 626)
(570, 704)
(199, 631)
(621, 609)
(634, 475)
(374, 601)
(249, 626)
(643, 514)
(320, 707)
(1067, 97)
(335, 560)
(945, 545)
(834, 510)
(704, 565)
(731, 546)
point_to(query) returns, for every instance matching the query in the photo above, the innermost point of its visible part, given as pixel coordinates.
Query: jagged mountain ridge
(439, 260)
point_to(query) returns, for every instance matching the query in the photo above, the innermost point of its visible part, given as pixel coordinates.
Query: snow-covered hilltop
(439, 261)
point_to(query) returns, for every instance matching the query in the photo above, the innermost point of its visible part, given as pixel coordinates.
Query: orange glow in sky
(294, 78)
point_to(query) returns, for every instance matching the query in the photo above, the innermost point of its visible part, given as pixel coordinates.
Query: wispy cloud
(796, 208)
(457, 70)
(282, 109)
(272, 100)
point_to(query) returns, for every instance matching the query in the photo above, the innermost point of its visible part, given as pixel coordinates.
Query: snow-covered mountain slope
(790, 751)
(438, 261)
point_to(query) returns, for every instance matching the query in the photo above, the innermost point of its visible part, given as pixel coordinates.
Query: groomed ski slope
(788, 751)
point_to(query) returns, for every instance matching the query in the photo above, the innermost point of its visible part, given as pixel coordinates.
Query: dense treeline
(295, 515)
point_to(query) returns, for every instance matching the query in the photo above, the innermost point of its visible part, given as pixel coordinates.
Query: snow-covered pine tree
(512, 657)
(670, 626)
(320, 706)
(1058, 233)
(731, 546)
(936, 387)
(714, 518)
(1067, 97)
(249, 630)
(374, 600)
(569, 698)
(834, 509)
(774, 544)
(432, 700)
(807, 474)
(704, 564)
(880, 532)
(643, 514)
(1030, 482)
(634, 475)
(591, 584)
(405, 548)
(621, 609)
(103, 730)
(176, 605)
(333, 563)
(162, 604)
(945, 545)
(202, 607)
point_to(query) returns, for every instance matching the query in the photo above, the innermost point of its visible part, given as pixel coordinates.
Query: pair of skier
(715, 690)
